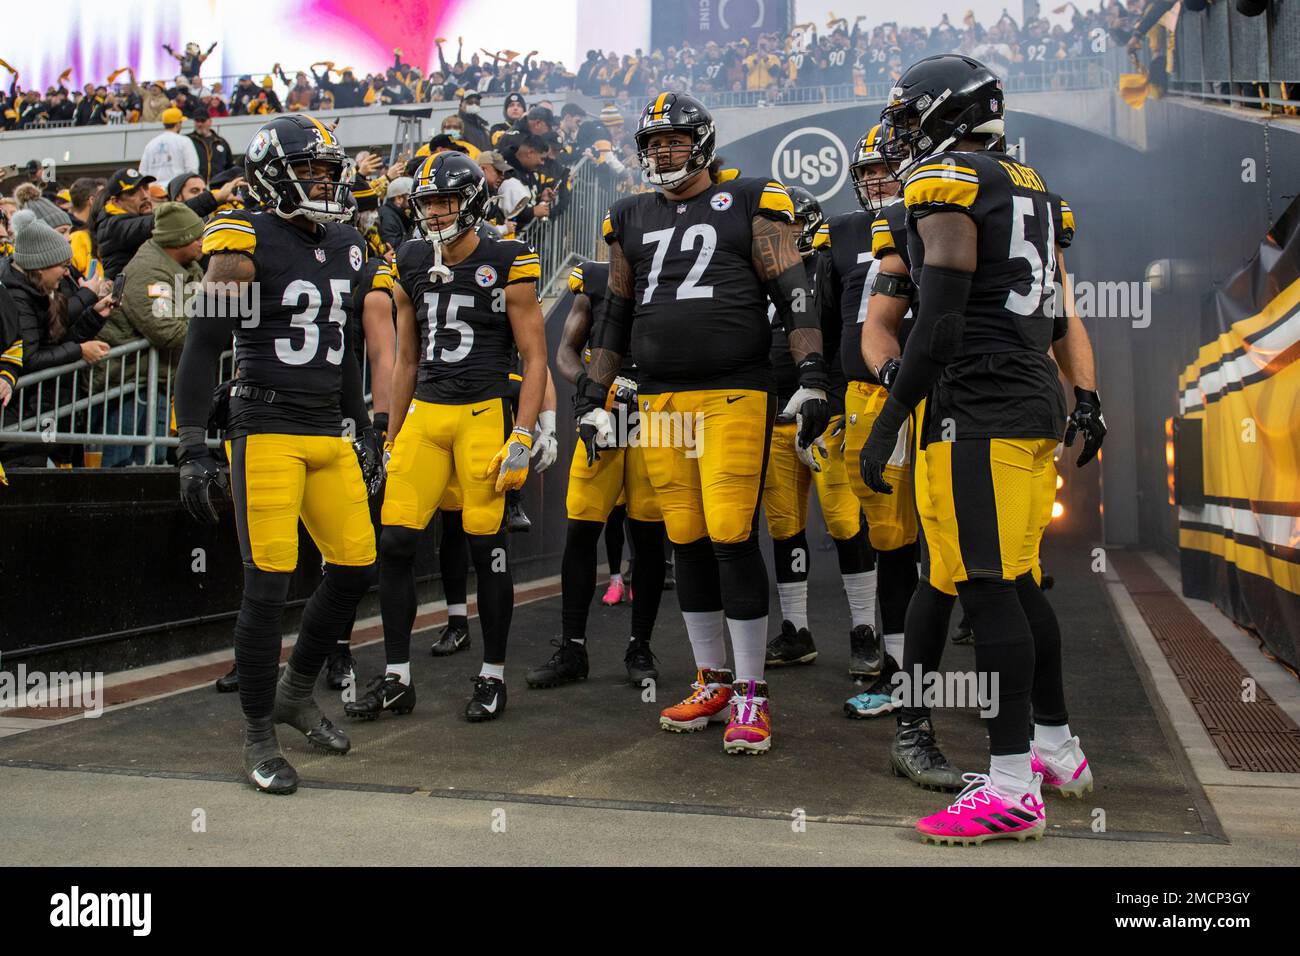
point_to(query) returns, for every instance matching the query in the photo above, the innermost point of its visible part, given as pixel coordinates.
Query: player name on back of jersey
(1023, 176)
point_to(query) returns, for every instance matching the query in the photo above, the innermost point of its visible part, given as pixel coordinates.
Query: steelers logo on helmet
(668, 160)
(721, 202)
(297, 168)
(485, 276)
(448, 186)
(354, 258)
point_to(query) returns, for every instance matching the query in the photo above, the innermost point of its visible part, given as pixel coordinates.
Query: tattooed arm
(611, 334)
(780, 270)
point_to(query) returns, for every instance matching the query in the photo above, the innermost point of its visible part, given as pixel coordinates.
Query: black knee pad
(855, 553)
(350, 581)
(398, 544)
(790, 567)
(737, 551)
(265, 588)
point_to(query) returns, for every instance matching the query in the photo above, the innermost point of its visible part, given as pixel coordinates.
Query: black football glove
(888, 372)
(370, 457)
(595, 425)
(809, 402)
(200, 474)
(1086, 418)
(880, 445)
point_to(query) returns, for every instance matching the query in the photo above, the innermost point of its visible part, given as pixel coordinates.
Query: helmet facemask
(654, 157)
(916, 127)
(287, 190)
(874, 183)
(429, 204)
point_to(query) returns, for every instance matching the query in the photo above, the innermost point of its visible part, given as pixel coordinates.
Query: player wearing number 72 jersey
(692, 266)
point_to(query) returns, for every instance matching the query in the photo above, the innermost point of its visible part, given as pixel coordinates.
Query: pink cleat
(980, 813)
(749, 730)
(1064, 770)
(616, 593)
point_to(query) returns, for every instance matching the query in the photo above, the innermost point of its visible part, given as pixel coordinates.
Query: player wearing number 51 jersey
(692, 267)
(464, 304)
(982, 244)
(280, 280)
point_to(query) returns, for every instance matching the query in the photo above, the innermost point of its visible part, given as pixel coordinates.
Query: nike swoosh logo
(389, 703)
(734, 399)
(261, 780)
(493, 708)
(481, 411)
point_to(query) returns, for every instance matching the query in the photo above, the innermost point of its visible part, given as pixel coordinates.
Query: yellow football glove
(511, 462)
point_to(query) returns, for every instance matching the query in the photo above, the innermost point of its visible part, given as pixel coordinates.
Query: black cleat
(294, 706)
(452, 638)
(517, 521)
(567, 664)
(340, 670)
(640, 662)
(866, 653)
(385, 692)
(791, 646)
(229, 683)
(489, 700)
(964, 634)
(264, 765)
(915, 754)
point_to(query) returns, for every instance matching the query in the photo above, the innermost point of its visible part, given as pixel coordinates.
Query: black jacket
(394, 224)
(214, 155)
(119, 235)
(477, 131)
(40, 351)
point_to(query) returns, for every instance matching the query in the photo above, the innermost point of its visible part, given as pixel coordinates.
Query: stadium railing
(1222, 56)
(574, 234)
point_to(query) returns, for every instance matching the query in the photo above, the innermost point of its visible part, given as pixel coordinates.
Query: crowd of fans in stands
(840, 54)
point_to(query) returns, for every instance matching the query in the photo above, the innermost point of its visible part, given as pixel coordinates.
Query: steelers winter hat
(175, 224)
(38, 246)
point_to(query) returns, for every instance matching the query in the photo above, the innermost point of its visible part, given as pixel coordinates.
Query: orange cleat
(710, 699)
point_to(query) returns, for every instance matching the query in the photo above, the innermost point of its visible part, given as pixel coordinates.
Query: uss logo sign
(814, 158)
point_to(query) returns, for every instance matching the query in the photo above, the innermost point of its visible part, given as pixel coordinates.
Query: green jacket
(149, 308)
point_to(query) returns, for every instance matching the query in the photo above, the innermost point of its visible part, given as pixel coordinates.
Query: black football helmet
(449, 174)
(872, 182)
(807, 216)
(939, 101)
(296, 140)
(686, 114)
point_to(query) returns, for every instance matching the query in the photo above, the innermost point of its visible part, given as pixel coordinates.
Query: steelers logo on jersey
(721, 201)
(354, 258)
(485, 276)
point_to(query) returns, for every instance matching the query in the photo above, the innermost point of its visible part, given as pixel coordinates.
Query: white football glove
(596, 429)
(545, 447)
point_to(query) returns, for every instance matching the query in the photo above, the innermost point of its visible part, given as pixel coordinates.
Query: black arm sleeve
(612, 326)
(196, 374)
(204, 204)
(789, 293)
(936, 337)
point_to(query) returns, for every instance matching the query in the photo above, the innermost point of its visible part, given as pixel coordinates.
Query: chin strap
(438, 272)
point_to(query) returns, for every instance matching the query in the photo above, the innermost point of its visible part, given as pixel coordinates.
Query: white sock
(704, 628)
(894, 647)
(1011, 774)
(403, 671)
(860, 589)
(616, 579)
(457, 610)
(794, 602)
(493, 670)
(749, 647)
(1051, 738)
(576, 640)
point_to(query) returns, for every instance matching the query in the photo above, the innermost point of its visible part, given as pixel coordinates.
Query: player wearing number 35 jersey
(464, 304)
(295, 408)
(692, 266)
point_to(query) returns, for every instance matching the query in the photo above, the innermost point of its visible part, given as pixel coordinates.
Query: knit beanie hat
(48, 213)
(38, 246)
(175, 224)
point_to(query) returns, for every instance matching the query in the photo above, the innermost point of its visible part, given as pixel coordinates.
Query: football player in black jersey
(298, 433)
(982, 241)
(598, 477)
(790, 472)
(464, 304)
(692, 266)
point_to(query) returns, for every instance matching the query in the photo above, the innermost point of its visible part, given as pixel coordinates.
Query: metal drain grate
(1257, 736)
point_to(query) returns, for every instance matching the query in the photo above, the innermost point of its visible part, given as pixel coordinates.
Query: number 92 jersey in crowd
(294, 343)
(466, 345)
(700, 319)
(999, 381)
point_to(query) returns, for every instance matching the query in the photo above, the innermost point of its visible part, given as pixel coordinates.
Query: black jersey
(376, 275)
(839, 67)
(700, 319)
(294, 341)
(465, 342)
(845, 286)
(785, 375)
(591, 278)
(1002, 384)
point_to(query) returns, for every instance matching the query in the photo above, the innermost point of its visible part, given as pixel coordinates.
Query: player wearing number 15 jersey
(982, 242)
(692, 266)
(294, 409)
(464, 304)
